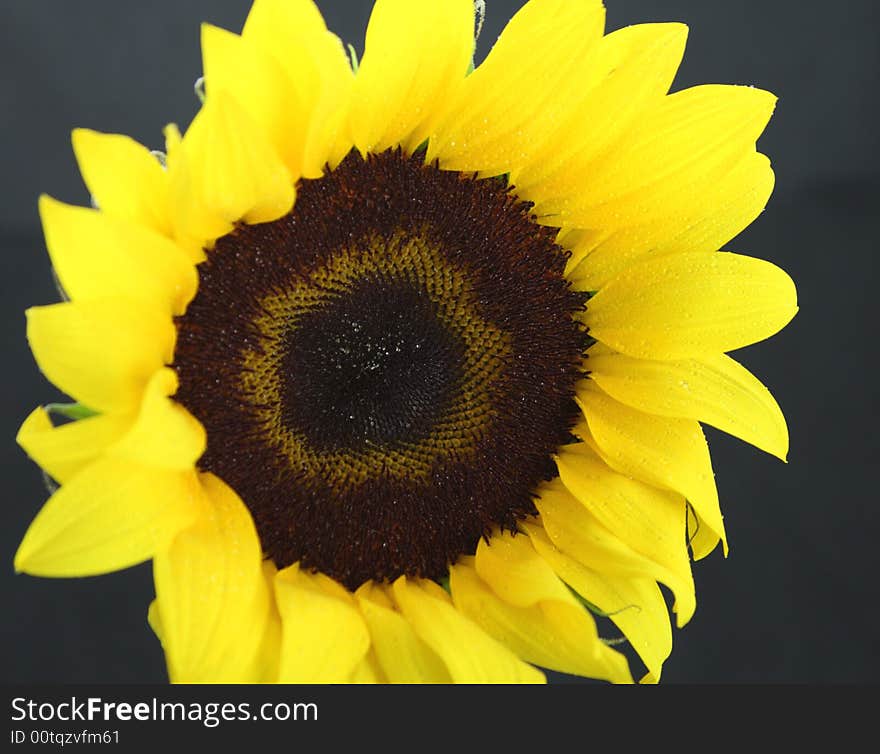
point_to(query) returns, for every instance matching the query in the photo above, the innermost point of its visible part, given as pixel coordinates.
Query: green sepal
(74, 411)
(613, 642)
(595, 609)
(199, 89)
(51, 485)
(421, 150)
(354, 58)
(602, 614)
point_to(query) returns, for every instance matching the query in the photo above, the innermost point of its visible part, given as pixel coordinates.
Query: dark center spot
(374, 366)
(385, 373)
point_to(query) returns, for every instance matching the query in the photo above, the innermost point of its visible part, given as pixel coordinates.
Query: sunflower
(396, 369)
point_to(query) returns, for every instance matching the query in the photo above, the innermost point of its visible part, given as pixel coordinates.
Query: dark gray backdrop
(796, 600)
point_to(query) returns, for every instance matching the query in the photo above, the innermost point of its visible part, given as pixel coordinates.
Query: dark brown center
(385, 372)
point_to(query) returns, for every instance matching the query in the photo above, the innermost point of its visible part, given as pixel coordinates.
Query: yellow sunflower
(396, 370)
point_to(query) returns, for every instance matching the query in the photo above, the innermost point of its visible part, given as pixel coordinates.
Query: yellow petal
(212, 599)
(154, 620)
(714, 218)
(261, 86)
(403, 657)
(691, 305)
(102, 351)
(714, 389)
(470, 655)
(270, 648)
(675, 153)
(651, 521)
(662, 451)
(193, 226)
(294, 33)
(577, 532)
(516, 573)
(627, 74)
(124, 178)
(164, 433)
(414, 56)
(226, 171)
(544, 623)
(64, 450)
(368, 671)
(97, 255)
(535, 77)
(111, 515)
(634, 603)
(324, 637)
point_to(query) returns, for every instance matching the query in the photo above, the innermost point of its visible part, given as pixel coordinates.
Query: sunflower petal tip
(679, 29)
(22, 562)
(46, 206)
(79, 137)
(172, 135)
(782, 448)
(210, 34)
(672, 33)
(683, 616)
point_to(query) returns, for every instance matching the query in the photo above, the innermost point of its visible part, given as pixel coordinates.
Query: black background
(796, 600)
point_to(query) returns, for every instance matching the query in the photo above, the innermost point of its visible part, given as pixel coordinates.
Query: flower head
(396, 371)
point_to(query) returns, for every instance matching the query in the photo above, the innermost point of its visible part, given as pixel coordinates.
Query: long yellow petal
(111, 515)
(403, 657)
(516, 573)
(415, 56)
(651, 521)
(269, 653)
(212, 599)
(626, 75)
(224, 171)
(368, 671)
(193, 225)
(164, 433)
(543, 623)
(264, 668)
(97, 255)
(470, 655)
(716, 216)
(634, 603)
(714, 389)
(62, 451)
(691, 305)
(294, 33)
(261, 86)
(675, 152)
(124, 178)
(534, 78)
(102, 351)
(324, 637)
(579, 533)
(662, 451)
